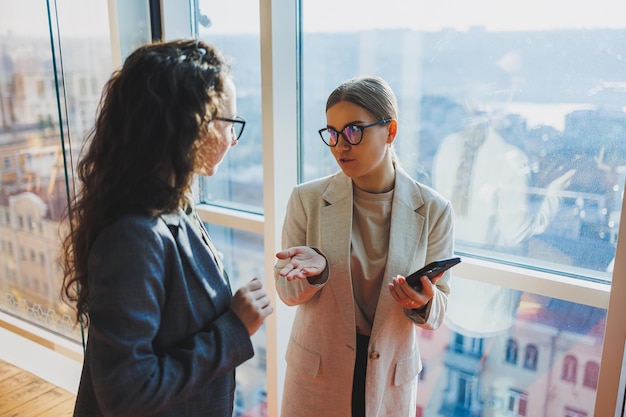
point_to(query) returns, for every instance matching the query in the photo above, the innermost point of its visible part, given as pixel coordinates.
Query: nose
(343, 141)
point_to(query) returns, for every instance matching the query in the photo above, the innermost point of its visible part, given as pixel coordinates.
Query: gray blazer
(162, 339)
(322, 347)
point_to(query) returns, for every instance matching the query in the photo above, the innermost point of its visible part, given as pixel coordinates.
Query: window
(237, 188)
(530, 357)
(540, 207)
(465, 392)
(511, 352)
(570, 365)
(239, 182)
(591, 375)
(31, 132)
(242, 254)
(467, 345)
(450, 73)
(458, 343)
(543, 84)
(518, 402)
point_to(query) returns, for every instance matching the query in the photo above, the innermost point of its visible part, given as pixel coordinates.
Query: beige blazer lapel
(336, 230)
(407, 227)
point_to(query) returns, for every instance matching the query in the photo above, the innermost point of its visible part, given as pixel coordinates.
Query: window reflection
(555, 338)
(521, 124)
(530, 357)
(239, 181)
(517, 403)
(233, 27)
(592, 369)
(511, 352)
(36, 146)
(242, 253)
(542, 111)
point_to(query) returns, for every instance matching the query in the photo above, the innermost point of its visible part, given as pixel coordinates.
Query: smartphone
(431, 271)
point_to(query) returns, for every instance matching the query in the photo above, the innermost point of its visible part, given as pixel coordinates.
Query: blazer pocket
(302, 359)
(407, 369)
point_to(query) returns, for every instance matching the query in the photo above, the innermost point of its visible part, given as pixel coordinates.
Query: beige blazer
(322, 347)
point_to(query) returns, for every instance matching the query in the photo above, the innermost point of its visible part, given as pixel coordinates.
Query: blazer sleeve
(294, 233)
(132, 267)
(440, 246)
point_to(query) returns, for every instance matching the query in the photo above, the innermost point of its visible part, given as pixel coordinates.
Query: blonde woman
(349, 240)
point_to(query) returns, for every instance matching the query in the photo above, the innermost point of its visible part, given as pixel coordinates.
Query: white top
(498, 213)
(497, 216)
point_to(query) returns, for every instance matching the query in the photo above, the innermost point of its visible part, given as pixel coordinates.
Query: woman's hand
(299, 262)
(252, 305)
(407, 296)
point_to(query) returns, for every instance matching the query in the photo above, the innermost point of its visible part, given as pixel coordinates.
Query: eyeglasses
(237, 125)
(353, 134)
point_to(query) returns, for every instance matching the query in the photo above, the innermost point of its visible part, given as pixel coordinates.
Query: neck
(380, 181)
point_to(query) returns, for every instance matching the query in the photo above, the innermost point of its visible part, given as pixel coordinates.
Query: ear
(393, 130)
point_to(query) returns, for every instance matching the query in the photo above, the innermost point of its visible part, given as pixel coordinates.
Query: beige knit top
(368, 255)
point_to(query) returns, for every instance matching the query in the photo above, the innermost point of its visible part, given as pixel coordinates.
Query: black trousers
(360, 370)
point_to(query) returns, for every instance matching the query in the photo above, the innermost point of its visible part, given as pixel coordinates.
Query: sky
(431, 15)
(91, 16)
(494, 15)
(87, 17)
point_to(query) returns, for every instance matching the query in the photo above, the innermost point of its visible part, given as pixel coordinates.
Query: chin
(347, 171)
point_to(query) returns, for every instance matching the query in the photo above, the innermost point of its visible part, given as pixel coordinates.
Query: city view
(556, 96)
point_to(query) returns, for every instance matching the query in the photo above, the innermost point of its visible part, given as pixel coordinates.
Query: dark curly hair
(141, 153)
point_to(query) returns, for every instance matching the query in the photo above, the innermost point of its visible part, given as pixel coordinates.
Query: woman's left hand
(407, 296)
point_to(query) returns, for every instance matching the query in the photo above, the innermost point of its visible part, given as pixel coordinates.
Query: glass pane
(48, 101)
(239, 181)
(566, 344)
(516, 117)
(243, 260)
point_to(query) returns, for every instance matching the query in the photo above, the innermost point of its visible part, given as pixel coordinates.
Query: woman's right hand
(300, 262)
(252, 305)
